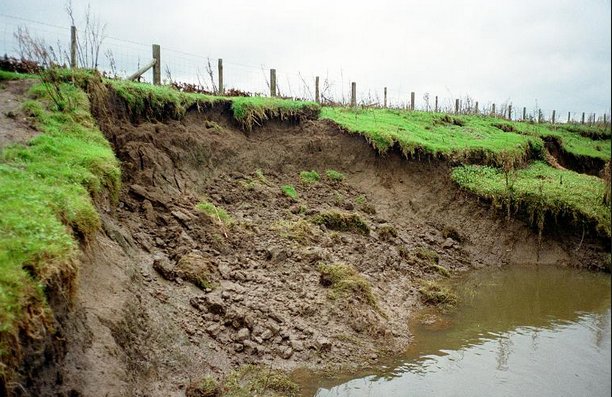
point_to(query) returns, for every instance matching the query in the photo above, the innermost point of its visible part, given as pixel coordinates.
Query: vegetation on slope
(46, 191)
(541, 190)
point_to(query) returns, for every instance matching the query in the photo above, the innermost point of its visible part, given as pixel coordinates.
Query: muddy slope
(143, 326)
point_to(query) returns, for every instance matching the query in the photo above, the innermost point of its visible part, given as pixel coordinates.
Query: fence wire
(120, 57)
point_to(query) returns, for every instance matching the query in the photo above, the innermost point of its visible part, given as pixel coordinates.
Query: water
(521, 331)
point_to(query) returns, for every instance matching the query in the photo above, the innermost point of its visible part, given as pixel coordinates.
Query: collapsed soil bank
(139, 328)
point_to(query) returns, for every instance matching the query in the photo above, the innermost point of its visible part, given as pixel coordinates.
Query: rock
(323, 344)
(287, 353)
(149, 212)
(224, 270)
(448, 243)
(297, 345)
(267, 334)
(243, 334)
(215, 304)
(181, 215)
(238, 347)
(163, 266)
(214, 329)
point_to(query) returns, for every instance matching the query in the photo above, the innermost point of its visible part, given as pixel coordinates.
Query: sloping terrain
(294, 244)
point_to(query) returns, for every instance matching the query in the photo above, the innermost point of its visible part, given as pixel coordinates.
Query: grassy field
(542, 190)
(46, 191)
(460, 137)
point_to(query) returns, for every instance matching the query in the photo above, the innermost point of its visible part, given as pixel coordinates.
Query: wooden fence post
(353, 94)
(412, 100)
(476, 107)
(554, 116)
(540, 117)
(493, 110)
(73, 47)
(569, 116)
(385, 101)
(582, 119)
(605, 119)
(220, 68)
(157, 65)
(510, 112)
(524, 113)
(436, 106)
(272, 82)
(456, 106)
(317, 92)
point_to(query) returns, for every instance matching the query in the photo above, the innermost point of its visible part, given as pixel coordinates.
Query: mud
(15, 126)
(168, 294)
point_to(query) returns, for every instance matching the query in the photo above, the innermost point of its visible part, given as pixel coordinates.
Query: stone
(323, 344)
(215, 304)
(243, 334)
(287, 353)
(448, 243)
(163, 266)
(297, 345)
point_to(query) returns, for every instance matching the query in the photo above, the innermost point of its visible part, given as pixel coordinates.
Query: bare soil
(142, 327)
(15, 127)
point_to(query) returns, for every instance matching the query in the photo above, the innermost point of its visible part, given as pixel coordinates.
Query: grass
(252, 380)
(254, 111)
(289, 191)
(334, 176)
(207, 387)
(461, 138)
(434, 293)
(541, 190)
(6, 75)
(344, 280)
(310, 177)
(46, 191)
(342, 222)
(214, 212)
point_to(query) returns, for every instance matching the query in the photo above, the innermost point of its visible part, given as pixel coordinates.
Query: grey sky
(555, 52)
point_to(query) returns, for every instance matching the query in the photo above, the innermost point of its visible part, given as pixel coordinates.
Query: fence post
(412, 100)
(220, 68)
(353, 94)
(493, 110)
(605, 119)
(524, 113)
(582, 119)
(272, 82)
(476, 107)
(436, 106)
(157, 65)
(569, 116)
(73, 47)
(385, 97)
(540, 115)
(317, 92)
(510, 112)
(456, 106)
(554, 116)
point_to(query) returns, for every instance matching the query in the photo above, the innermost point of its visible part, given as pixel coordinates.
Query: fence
(125, 59)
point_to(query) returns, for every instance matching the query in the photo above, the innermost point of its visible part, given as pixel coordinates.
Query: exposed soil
(15, 127)
(582, 164)
(168, 294)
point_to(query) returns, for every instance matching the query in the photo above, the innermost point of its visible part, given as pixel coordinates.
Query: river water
(520, 331)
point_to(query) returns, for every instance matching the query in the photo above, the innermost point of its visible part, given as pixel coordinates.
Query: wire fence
(120, 58)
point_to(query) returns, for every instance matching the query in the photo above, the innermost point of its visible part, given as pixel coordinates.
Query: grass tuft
(214, 212)
(434, 293)
(310, 177)
(289, 191)
(345, 281)
(334, 175)
(342, 221)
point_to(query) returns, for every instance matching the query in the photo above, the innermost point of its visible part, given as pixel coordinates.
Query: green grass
(252, 380)
(342, 222)
(253, 111)
(46, 191)
(334, 175)
(541, 189)
(310, 177)
(461, 138)
(213, 211)
(6, 75)
(571, 139)
(289, 191)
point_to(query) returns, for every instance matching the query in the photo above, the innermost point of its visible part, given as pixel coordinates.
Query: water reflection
(522, 331)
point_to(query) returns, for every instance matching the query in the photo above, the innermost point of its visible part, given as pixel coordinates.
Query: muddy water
(524, 331)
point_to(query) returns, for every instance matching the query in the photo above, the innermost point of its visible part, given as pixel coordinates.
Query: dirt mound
(172, 291)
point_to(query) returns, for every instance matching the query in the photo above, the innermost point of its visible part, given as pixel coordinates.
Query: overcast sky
(554, 52)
